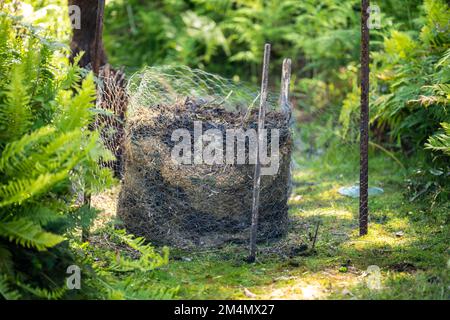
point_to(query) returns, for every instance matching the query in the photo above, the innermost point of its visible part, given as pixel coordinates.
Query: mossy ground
(408, 241)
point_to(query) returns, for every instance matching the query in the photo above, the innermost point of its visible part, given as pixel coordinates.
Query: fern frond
(44, 293)
(72, 76)
(14, 158)
(17, 191)
(5, 291)
(129, 291)
(440, 141)
(445, 59)
(75, 110)
(148, 260)
(28, 234)
(15, 112)
(62, 152)
(6, 263)
(41, 213)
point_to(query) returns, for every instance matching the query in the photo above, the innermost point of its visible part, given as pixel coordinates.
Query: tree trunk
(84, 39)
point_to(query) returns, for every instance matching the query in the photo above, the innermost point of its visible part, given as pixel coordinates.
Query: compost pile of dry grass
(197, 205)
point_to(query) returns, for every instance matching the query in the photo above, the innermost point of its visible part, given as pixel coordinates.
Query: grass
(407, 242)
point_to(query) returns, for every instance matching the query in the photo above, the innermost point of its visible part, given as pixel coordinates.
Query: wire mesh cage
(197, 204)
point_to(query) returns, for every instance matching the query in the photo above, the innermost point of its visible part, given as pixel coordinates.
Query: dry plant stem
(316, 232)
(364, 129)
(257, 176)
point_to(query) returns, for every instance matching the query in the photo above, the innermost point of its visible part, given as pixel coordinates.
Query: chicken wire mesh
(167, 85)
(111, 109)
(192, 205)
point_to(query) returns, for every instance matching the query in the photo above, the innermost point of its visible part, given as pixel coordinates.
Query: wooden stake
(257, 176)
(285, 84)
(364, 125)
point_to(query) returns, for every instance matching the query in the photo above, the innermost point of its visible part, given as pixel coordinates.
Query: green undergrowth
(408, 241)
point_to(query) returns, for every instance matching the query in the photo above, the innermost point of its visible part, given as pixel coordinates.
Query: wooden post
(364, 125)
(285, 84)
(88, 37)
(257, 176)
(286, 107)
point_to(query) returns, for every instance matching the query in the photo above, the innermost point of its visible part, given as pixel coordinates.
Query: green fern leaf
(44, 293)
(15, 113)
(75, 110)
(149, 259)
(5, 290)
(20, 190)
(28, 234)
(14, 158)
(6, 263)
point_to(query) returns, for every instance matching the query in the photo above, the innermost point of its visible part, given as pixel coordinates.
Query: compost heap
(196, 205)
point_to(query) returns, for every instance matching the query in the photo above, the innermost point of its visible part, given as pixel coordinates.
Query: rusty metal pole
(364, 125)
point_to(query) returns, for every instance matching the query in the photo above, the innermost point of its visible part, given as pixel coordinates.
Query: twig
(316, 232)
(257, 176)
